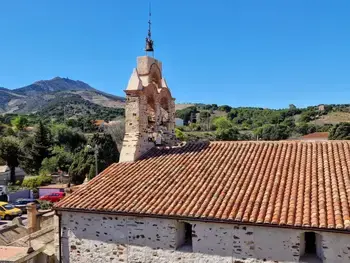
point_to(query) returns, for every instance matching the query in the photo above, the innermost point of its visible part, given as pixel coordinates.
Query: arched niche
(165, 105)
(151, 112)
(155, 76)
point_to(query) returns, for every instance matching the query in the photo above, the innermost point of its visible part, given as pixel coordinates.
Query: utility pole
(208, 119)
(96, 160)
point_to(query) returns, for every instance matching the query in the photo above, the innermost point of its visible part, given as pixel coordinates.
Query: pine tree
(9, 152)
(41, 146)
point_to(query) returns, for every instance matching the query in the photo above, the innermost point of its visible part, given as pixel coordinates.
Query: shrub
(341, 131)
(45, 205)
(36, 181)
(229, 134)
(179, 134)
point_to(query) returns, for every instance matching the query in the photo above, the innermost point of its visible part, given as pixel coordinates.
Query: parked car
(9, 211)
(53, 197)
(22, 204)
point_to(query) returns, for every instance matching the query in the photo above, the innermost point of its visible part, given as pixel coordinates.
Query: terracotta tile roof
(99, 122)
(291, 183)
(53, 186)
(316, 136)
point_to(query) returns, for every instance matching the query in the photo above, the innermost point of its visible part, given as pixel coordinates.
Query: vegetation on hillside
(249, 123)
(53, 147)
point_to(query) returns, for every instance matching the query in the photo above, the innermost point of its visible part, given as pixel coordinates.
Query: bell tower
(149, 109)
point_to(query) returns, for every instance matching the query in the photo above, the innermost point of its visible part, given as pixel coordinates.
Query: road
(5, 223)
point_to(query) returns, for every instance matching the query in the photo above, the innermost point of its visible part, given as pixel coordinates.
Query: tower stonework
(149, 110)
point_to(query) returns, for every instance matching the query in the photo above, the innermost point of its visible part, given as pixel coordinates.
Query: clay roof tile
(295, 183)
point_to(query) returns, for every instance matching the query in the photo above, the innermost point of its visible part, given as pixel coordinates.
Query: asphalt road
(5, 223)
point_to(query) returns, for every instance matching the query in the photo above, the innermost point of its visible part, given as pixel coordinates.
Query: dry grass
(182, 106)
(333, 118)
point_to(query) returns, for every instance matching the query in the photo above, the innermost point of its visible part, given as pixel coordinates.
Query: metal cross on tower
(149, 41)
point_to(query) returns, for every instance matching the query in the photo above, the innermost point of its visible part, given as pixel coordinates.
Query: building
(5, 175)
(31, 243)
(179, 122)
(99, 124)
(149, 112)
(321, 107)
(207, 201)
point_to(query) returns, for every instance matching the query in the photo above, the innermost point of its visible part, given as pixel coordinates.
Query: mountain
(44, 93)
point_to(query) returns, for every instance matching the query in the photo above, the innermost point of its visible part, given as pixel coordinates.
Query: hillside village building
(285, 201)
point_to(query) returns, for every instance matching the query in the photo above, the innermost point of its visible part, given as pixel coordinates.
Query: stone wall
(148, 98)
(106, 238)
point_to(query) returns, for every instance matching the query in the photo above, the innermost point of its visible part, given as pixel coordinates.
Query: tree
(19, 123)
(230, 134)
(26, 158)
(65, 136)
(2, 129)
(340, 131)
(41, 145)
(107, 150)
(222, 123)
(308, 115)
(10, 152)
(82, 163)
(117, 131)
(204, 117)
(9, 132)
(292, 107)
(273, 132)
(232, 114)
(61, 160)
(304, 128)
(290, 122)
(225, 108)
(85, 159)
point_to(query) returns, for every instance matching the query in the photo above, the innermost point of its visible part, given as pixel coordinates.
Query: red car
(53, 197)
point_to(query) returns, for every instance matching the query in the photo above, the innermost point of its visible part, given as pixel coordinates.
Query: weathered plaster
(104, 238)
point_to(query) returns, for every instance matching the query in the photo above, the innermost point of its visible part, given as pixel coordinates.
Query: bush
(230, 134)
(273, 132)
(179, 134)
(341, 131)
(45, 205)
(222, 123)
(36, 181)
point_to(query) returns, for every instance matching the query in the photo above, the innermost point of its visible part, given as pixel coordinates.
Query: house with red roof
(252, 201)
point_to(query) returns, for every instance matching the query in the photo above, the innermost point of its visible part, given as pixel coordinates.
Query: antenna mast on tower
(149, 41)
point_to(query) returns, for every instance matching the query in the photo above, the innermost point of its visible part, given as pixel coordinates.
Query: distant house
(321, 107)
(179, 122)
(99, 124)
(5, 175)
(316, 136)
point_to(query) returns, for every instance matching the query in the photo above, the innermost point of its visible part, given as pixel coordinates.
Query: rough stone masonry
(90, 237)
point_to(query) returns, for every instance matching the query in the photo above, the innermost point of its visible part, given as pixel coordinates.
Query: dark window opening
(188, 234)
(310, 243)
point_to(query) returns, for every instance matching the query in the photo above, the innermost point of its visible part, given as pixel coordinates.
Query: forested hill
(246, 123)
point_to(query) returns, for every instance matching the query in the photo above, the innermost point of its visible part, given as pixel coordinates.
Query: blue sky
(243, 53)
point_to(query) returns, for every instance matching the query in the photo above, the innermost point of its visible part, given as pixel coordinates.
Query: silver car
(22, 204)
